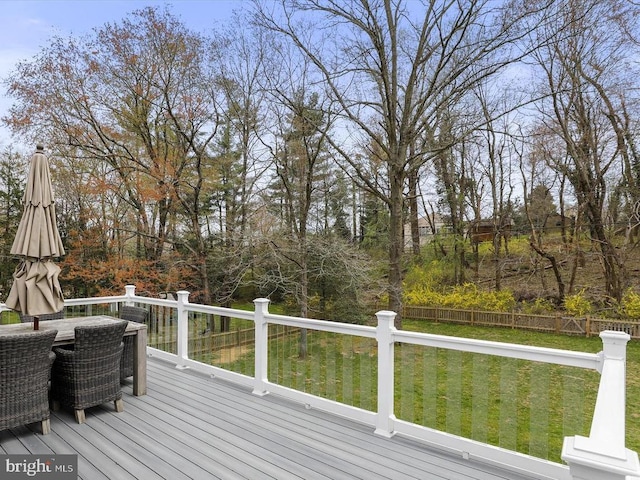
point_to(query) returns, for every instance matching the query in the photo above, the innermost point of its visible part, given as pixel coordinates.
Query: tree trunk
(395, 246)
(613, 268)
(304, 292)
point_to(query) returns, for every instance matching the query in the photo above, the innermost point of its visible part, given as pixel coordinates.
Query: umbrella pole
(36, 323)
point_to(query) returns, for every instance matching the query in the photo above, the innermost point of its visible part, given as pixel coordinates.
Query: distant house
(427, 229)
(552, 222)
(483, 230)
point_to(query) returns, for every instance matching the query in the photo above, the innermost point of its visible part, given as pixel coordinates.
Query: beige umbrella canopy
(36, 289)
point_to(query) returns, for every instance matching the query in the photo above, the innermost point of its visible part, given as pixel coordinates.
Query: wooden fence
(586, 326)
(208, 342)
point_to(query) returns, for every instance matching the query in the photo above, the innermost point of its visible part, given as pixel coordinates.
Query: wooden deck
(190, 426)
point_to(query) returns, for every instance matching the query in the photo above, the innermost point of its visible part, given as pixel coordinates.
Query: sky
(27, 25)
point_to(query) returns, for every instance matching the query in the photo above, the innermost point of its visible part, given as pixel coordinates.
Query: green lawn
(584, 389)
(524, 406)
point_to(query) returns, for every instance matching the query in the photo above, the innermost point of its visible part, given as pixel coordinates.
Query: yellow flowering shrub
(540, 306)
(578, 305)
(466, 296)
(630, 304)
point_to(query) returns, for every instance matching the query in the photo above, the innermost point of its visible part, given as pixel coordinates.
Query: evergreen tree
(12, 180)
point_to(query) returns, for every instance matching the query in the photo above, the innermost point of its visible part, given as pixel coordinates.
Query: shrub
(630, 304)
(578, 305)
(423, 285)
(538, 307)
(423, 296)
(428, 276)
(465, 296)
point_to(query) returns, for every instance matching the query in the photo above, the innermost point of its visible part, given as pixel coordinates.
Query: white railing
(602, 455)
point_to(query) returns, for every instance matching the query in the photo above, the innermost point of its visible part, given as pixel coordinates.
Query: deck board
(191, 426)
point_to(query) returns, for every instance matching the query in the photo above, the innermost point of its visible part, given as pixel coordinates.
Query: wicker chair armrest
(63, 354)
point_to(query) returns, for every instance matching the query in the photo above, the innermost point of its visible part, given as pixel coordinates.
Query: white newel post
(384, 335)
(262, 334)
(183, 330)
(129, 292)
(603, 455)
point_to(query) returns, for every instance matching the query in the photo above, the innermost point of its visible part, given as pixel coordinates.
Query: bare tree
(238, 56)
(302, 125)
(583, 70)
(537, 209)
(497, 151)
(392, 67)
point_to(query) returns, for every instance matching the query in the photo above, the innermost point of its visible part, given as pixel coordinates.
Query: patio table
(66, 336)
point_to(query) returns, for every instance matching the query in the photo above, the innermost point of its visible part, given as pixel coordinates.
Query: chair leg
(55, 405)
(119, 405)
(46, 427)
(80, 418)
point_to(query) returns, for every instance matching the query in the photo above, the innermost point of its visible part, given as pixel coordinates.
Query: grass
(524, 406)
(579, 387)
(8, 317)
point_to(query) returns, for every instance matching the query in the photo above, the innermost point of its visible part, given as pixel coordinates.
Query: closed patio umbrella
(36, 288)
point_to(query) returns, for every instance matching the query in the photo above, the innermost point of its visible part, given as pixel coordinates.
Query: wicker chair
(47, 316)
(89, 375)
(134, 314)
(25, 365)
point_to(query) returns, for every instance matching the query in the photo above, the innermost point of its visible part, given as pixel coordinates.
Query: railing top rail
(71, 302)
(161, 302)
(121, 298)
(511, 350)
(323, 325)
(223, 311)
